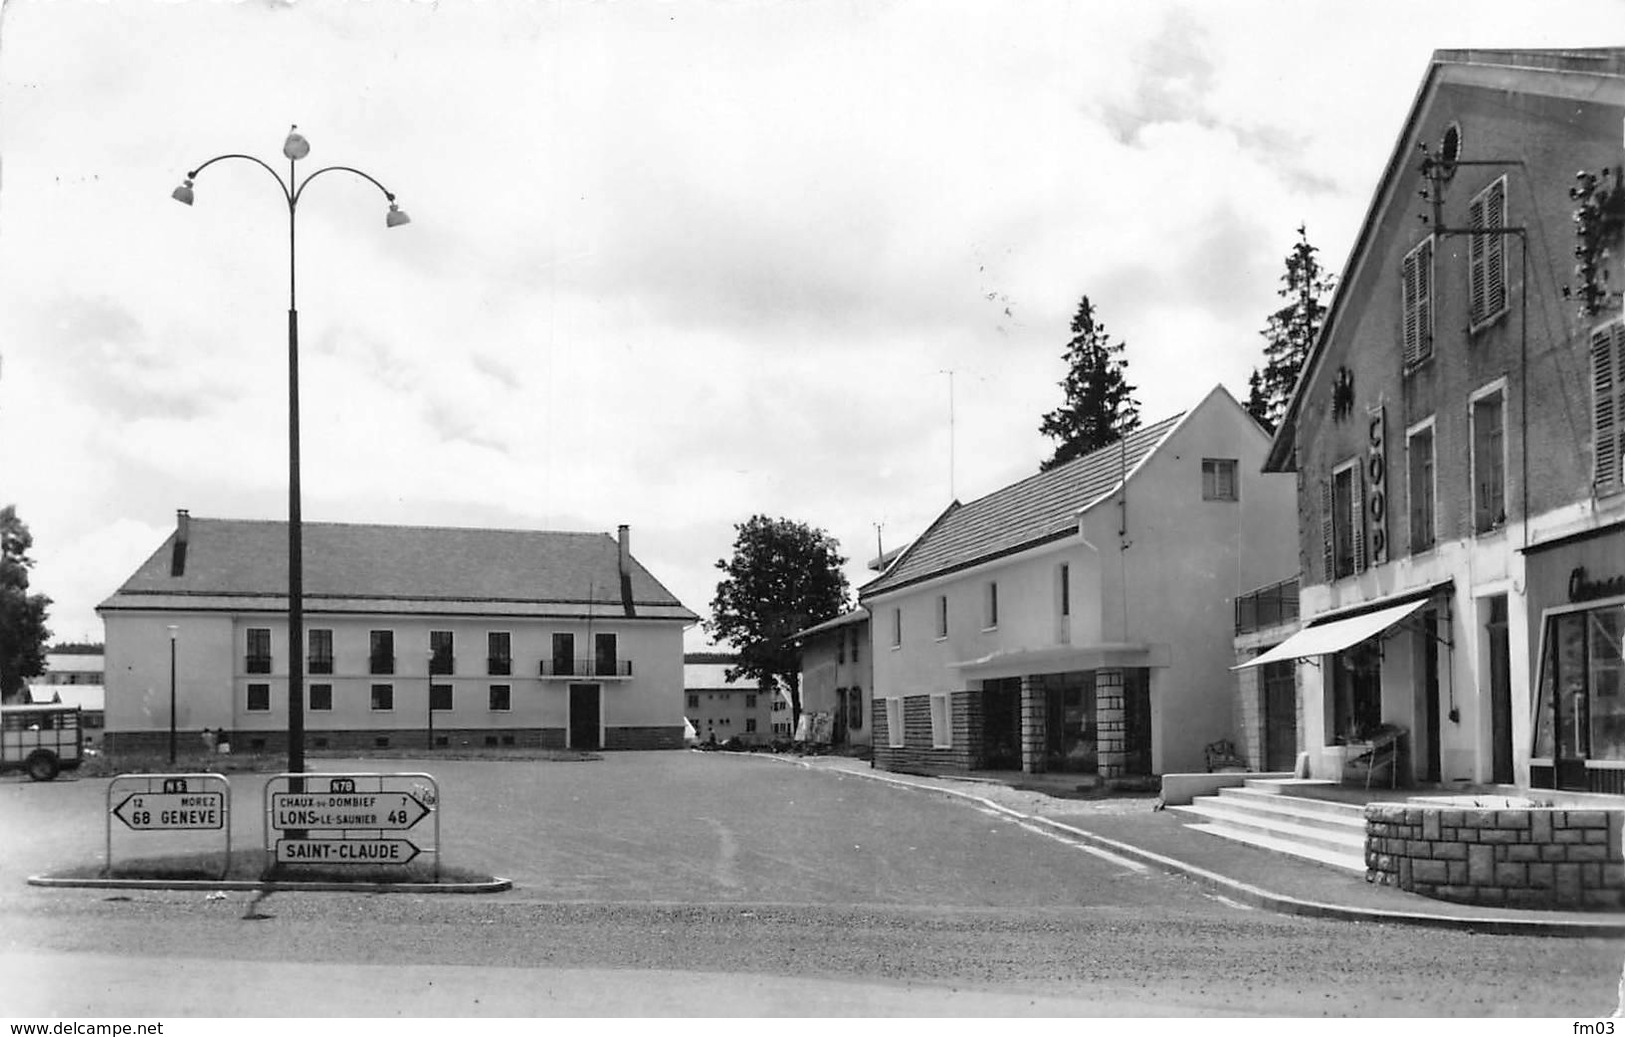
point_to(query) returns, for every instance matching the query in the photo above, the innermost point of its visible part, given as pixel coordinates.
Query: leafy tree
(1100, 406)
(22, 615)
(784, 576)
(1291, 330)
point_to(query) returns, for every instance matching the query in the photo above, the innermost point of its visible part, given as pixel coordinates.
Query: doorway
(1137, 721)
(584, 716)
(1500, 692)
(1280, 715)
(1431, 766)
(1001, 724)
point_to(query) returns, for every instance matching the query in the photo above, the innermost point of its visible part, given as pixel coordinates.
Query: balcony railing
(381, 664)
(1267, 606)
(589, 667)
(257, 664)
(319, 664)
(442, 663)
(499, 666)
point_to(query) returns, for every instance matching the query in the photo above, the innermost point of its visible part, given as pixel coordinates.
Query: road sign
(155, 811)
(344, 851)
(305, 811)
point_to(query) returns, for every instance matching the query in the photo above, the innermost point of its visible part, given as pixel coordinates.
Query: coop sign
(1376, 474)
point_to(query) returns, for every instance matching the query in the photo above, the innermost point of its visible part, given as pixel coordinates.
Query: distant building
(837, 675)
(416, 637)
(73, 678)
(1082, 618)
(721, 709)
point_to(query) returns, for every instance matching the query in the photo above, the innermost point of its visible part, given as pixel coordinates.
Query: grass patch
(256, 865)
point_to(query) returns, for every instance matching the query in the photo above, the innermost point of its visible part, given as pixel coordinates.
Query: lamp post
(173, 630)
(294, 148)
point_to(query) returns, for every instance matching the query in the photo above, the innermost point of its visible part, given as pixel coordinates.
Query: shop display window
(1583, 668)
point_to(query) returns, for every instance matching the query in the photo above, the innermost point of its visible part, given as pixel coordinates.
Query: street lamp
(173, 630)
(294, 148)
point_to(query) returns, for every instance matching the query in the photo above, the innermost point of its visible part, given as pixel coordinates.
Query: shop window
(1419, 488)
(1581, 708)
(1489, 462)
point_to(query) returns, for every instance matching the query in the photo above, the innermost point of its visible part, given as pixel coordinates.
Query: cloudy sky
(669, 265)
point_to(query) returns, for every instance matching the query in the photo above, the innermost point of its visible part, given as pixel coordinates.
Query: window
(381, 652)
(603, 658)
(383, 697)
(259, 698)
(1486, 255)
(894, 723)
(693, 701)
(1489, 462)
(321, 698)
(1608, 408)
(440, 698)
(500, 700)
(1419, 489)
(564, 655)
(1219, 479)
(1416, 303)
(840, 646)
(991, 607)
(499, 653)
(441, 658)
(942, 616)
(1342, 515)
(259, 650)
(854, 706)
(321, 651)
(897, 628)
(1063, 577)
(854, 644)
(941, 732)
(750, 701)
(750, 725)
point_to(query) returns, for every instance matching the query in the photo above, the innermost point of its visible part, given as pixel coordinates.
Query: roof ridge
(404, 526)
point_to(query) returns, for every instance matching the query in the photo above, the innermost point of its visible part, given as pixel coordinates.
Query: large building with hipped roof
(415, 638)
(1081, 619)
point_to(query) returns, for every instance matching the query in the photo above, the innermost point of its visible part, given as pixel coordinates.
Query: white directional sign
(344, 851)
(154, 811)
(391, 811)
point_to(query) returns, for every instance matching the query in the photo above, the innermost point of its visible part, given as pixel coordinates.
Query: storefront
(1577, 616)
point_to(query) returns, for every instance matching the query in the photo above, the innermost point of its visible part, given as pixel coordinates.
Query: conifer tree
(1100, 406)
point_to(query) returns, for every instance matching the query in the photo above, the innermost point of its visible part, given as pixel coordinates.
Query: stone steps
(1261, 813)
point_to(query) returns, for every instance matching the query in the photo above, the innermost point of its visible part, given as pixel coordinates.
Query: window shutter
(1605, 417)
(1476, 247)
(1328, 547)
(1407, 293)
(1357, 517)
(1495, 280)
(1424, 300)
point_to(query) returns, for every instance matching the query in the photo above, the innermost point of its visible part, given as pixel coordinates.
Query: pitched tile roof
(235, 564)
(857, 615)
(1038, 508)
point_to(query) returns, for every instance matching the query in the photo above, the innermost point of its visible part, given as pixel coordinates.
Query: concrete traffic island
(1502, 851)
(256, 870)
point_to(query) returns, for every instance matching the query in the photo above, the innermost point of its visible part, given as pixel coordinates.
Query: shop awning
(1335, 635)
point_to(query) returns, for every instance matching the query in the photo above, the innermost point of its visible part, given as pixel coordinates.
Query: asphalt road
(707, 884)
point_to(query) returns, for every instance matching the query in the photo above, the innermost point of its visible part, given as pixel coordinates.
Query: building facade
(837, 675)
(1081, 619)
(719, 708)
(415, 638)
(1456, 434)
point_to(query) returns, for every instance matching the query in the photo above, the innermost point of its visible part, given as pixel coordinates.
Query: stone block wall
(1110, 724)
(1534, 857)
(917, 755)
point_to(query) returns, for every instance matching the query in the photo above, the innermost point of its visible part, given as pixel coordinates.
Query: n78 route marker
(389, 811)
(156, 811)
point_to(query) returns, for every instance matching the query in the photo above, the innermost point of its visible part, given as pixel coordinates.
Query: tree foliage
(1100, 406)
(1290, 332)
(23, 634)
(784, 576)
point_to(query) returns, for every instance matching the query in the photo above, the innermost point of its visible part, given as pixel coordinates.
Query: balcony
(596, 669)
(1267, 607)
(442, 663)
(499, 666)
(257, 664)
(381, 664)
(319, 664)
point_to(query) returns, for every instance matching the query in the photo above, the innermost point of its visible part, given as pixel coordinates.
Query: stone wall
(917, 755)
(1511, 856)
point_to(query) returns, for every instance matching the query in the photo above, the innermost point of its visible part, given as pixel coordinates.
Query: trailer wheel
(42, 766)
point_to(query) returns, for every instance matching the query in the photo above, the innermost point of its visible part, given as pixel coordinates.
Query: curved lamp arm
(184, 192)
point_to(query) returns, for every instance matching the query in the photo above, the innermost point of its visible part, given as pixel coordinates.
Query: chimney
(626, 570)
(183, 533)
